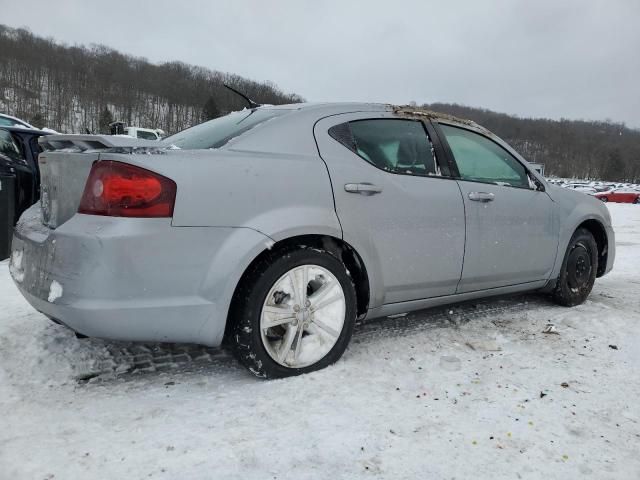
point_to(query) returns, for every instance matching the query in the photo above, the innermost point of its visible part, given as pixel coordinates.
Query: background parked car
(601, 188)
(19, 158)
(9, 121)
(620, 195)
(583, 189)
(119, 128)
(144, 133)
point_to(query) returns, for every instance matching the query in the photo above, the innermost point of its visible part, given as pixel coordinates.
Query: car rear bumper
(132, 279)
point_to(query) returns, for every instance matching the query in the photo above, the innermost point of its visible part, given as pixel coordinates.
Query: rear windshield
(217, 132)
(8, 122)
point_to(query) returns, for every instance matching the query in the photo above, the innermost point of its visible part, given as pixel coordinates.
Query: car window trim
(443, 151)
(452, 160)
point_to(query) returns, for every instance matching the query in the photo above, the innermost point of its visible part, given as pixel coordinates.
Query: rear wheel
(637, 200)
(579, 269)
(295, 313)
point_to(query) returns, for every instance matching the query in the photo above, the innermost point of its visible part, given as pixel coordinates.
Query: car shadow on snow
(124, 361)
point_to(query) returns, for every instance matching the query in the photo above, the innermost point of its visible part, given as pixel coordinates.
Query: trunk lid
(65, 164)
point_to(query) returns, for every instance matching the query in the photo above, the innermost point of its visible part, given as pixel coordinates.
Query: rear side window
(481, 160)
(398, 146)
(217, 132)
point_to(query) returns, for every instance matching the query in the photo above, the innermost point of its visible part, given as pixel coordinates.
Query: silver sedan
(277, 228)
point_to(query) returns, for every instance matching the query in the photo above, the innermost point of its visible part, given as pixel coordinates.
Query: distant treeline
(73, 88)
(567, 148)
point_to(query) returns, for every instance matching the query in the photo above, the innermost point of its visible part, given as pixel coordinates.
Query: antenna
(251, 103)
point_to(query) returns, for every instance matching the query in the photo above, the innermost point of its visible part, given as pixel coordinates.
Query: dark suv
(19, 158)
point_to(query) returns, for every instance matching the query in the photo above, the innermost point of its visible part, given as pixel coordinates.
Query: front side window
(481, 160)
(398, 146)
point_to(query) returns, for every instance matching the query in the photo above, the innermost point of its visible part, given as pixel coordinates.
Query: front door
(511, 234)
(395, 206)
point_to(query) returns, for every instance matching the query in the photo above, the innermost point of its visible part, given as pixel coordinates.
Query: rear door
(512, 237)
(396, 206)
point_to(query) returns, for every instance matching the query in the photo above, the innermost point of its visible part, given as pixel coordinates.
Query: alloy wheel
(302, 316)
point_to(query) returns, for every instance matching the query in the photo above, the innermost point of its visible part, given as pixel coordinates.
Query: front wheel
(604, 199)
(294, 314)
(637, 201)
(579, 269)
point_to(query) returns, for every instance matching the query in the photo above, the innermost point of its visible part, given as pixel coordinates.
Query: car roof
(330, 106)
(33, 131)
(303, 117)
(335, 108)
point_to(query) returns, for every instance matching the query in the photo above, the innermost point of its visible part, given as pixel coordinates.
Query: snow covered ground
(474, 391)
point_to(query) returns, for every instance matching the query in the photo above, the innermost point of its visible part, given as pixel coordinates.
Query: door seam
(464, 249)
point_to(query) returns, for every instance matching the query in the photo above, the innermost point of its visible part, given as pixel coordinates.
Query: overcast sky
(572, 59)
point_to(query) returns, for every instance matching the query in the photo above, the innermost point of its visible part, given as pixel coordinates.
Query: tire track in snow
(129, 359)
(450, 316)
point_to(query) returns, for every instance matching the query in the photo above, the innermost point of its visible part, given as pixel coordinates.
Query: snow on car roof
(408, 110)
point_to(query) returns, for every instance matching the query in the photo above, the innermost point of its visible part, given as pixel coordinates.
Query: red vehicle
(619, 195)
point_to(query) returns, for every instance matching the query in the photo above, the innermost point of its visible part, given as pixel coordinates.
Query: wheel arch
(597, 229)
(334, 245)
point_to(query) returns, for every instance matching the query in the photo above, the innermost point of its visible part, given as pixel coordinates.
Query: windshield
(217, 132)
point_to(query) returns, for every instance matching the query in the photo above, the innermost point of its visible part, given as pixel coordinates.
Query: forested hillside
(568, 148)
(70, 88)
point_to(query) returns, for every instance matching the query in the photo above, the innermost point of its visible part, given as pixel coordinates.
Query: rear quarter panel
(278, 194)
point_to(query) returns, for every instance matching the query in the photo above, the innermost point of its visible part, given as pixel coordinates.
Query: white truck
(119, 128)
(144, 133)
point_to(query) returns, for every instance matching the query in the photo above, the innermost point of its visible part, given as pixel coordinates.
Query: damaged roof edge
(422, 113)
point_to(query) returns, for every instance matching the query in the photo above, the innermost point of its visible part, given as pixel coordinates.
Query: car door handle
(363, 188)
(481, 196)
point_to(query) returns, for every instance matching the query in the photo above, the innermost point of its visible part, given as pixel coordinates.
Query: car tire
(637, 201)
(604, 199)
(579, 269)
(274, 282)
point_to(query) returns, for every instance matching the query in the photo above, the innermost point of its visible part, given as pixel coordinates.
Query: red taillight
(118, 189)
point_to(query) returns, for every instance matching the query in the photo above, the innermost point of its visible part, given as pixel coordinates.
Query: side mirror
(535, 184)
